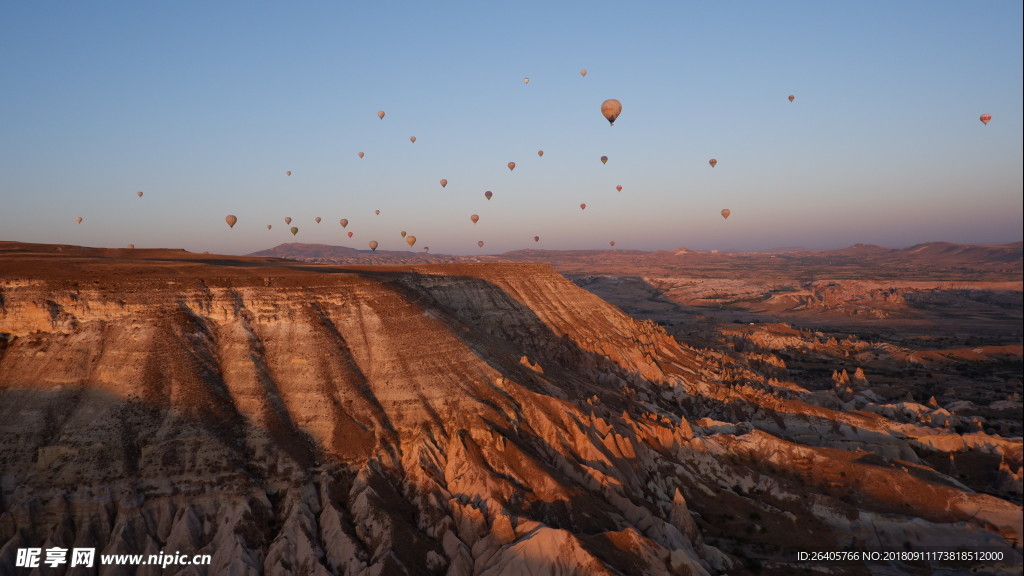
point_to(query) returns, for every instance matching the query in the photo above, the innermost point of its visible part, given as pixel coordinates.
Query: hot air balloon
(480, 243)
(583, 72)
(380, 114)
(269, 226)
(231, 219)
(604, 159)
(139, 193)
(612, 243)
(343, 222)
(985, 118)
(611, 109)
(350, 234)
(618, 188)
(403, 233)
(373, 245)
(78, 219)
(294, 230)
(412, 139)
(511, 166)
(377, 212)
(410, 240)
(540, 153)
(536, 238)
(474, 218)
(712, 162)
(526, 80)
(361, 154)
(317, 219)
(131, 246)
(791, 97)
(288, 173)
(287, 219)
(726, 212)
(488, 194)
(426, 248)
(443, 182)
(583, 206)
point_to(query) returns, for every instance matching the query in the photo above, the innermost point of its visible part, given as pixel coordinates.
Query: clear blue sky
(204, 106)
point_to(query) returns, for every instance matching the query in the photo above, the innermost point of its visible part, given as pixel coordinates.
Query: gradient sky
(204, 106)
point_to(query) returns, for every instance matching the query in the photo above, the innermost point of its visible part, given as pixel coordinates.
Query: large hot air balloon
(618, 188)
(536, 238)
(604, 159)
(712, 162)
(480, 243)
(583, 72)
(269, 226)
(410, 240)
(791, 97)
(294, 230)
(403, 233)
(231, 219)
(78, 219)
(361, 154)
(380, 114)
(343, 222)
(139, 193)
(726, 212)
(488, 194)
(412, 139)
(583, 206)
(443, 182)
(474, 218)
(540, 153)
(317, 219)
(985, 118)
(350, 234)
(611, 109)
(511, 166)
(287, 219)
(373, 245)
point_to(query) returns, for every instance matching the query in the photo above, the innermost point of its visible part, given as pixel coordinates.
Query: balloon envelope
(726, 212)
(380, 114)
(443, 182)
(373, 245)
(230, 219)
(526, 80)
(377, 212)
(269, 226)
(294, 230)
(474, 218)
(78, 219)
(412, 139)
(287, 219)
(511, 165)
(317, 219)
(343, 222)
(480, 243)
(288, 173)
(583, 72)
(583, 206)
(712, 162)
(139, 193)
(791, 97)
(361, 154)
(618, 188)
(536, 238)
(612, 243)
(985, 118)
(611, 109)
(604, 159)
(350, 234)
(403, 233)
(410, 240)
(488, 194)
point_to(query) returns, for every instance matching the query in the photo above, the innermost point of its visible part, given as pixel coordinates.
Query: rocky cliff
(454, 419)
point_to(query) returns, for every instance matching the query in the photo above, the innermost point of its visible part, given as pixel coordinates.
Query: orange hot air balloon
(361, 154)
(373, 245)
(540, 153)
(287, 219)
(583, 72)
(791, 97)
(294, 230)
(985, 118)
(380, 114)
(288, 173)
(611, 109)
(474, 218)
(488, 194)
(78, 219)
(526, 80)
(317, 219)
(726, 212)
(443, 182)
(583, 206)
(343, 222)
(269, 226)
(480, 243)
(139, 193)
(536, 238)
(377, 212)
(350, 234)
(612, 243)
(712, 162)
(618, 188)
(511, 166)
(412, 139)
(231, 219)
(410, 240)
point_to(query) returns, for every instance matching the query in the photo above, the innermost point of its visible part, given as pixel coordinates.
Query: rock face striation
(456, 419)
